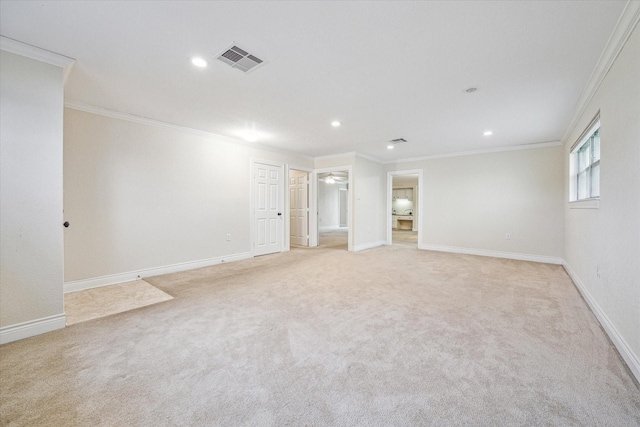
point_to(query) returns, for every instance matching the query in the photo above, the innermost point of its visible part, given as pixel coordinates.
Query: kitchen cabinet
(402, 193)
(402, 222)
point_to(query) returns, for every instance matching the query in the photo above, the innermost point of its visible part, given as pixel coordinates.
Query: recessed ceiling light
(390, 147)
(199, 62)
(470, 89)
(251, 136)
(487, 133)
(335, 123)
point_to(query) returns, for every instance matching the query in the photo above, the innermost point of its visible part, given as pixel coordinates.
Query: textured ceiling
(384, 69)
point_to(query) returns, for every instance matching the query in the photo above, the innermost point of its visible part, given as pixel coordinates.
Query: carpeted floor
(334, 238)
(388, 336)
(104, 301)
(405, 237)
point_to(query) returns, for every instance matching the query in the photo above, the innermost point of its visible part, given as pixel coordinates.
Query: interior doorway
(404, 208)
(333, 209)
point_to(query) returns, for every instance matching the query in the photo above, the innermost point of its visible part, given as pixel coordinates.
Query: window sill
(585, 204)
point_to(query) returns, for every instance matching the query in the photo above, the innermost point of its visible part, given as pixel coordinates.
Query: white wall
(609, 236)
(329, 204)
(369, 204)
(31, 262)
(143, 197)
(471, 202)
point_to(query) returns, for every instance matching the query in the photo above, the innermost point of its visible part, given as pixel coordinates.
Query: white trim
(495, 254)
(585, 204)
(158, 123)
(43, 55)
(445, 155)
(369, 245)
(481, 151)
(32, 328)
(96, 282)
(618, 341)
(619, 36)
(586, 134)
(33, 52)
(336, 156)
(352, 154)
(367, 157)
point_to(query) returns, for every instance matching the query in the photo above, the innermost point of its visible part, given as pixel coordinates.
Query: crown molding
(336, 156)
(39, 54)
(481, 151)
(624, 27)
(367, 157)
(445, 155)
(74, 105)
(101, 111)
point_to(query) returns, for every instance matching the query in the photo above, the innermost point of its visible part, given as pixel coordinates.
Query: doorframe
(313, 218)
(252, 201)
(419, 217)
(287, 204)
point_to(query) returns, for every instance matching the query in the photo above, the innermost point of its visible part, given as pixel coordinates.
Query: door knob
(66, 224)
(279, 213)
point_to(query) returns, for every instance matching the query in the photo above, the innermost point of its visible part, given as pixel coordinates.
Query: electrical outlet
(507, 236)
(228, 237)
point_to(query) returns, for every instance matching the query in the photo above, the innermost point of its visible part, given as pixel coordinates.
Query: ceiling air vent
(240, 59)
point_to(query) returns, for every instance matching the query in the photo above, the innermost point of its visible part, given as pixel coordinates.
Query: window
(585, 164)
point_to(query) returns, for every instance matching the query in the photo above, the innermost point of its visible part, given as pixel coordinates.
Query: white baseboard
(370, 245)
(31, 328)
(496, 254)
(623, 348)
(95, 282)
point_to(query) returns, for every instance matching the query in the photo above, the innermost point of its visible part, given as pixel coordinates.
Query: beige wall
(31, 276)
(471, 202)
(142, 197)
(609, 237)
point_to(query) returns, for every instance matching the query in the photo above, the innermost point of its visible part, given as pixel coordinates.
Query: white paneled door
(268, 187)
(299, 208)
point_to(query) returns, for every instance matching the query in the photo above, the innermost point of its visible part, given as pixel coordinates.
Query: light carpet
(405, 237)
(104, 301)
(334, 238)
(389, 336)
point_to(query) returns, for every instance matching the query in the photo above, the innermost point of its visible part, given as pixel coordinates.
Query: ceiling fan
(332, 179)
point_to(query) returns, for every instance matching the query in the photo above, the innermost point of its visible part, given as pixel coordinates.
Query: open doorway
(404, 208)
(333, 209)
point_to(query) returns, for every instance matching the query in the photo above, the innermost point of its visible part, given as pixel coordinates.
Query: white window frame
(587, 137)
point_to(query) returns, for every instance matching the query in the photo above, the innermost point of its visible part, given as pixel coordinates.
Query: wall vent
(240, 59)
